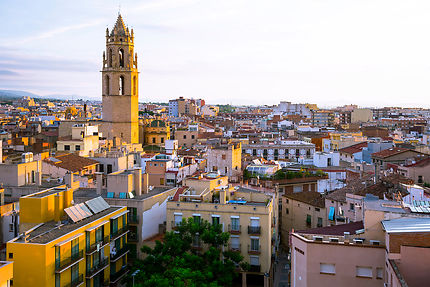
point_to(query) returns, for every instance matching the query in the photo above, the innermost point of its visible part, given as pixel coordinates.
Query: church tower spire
(120, 84)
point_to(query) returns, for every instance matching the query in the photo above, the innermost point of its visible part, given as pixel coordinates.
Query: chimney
(57, 211)
(38, 173)
(222, 196)
(69, 179)
(99, 182)
(145, 179)
(137, 180)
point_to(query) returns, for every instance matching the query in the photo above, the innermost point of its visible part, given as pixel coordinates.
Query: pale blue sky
(331, 52)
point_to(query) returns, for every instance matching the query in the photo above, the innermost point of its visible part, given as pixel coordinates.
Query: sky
(329, 52)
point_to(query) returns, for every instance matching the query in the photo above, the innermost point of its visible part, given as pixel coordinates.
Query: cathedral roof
(119, 28)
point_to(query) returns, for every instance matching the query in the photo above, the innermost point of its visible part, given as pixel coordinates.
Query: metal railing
(133, 219)
(117, 275)
(75, 282)
(99, 266)
(254, 268)
(254, 249)
(93, 247)
(119, 232)
(119, 253)
(67, 262)
(254, 229)
(235, 248)
(234, 229)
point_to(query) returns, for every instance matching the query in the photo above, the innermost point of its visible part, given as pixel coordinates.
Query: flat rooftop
(50, 231)
(92, 193)
(47, 192)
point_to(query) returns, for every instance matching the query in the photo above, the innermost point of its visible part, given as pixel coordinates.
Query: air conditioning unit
(375, 242)
(318, 238)
(358, 241)
(334, 239)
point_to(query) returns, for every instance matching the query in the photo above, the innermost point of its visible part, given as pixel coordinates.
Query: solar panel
(85, 209)
(71, 215)
(110, 195)
(122, 195)
(77, 213)
(97, 204)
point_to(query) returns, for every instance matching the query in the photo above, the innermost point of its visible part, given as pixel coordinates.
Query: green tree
(179, 261)
(246, 174)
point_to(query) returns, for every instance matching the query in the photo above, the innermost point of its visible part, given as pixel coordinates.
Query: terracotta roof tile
(71, 162)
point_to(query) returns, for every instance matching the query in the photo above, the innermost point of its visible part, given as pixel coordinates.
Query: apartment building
(69, 245)
(156, 132)
(249, 215)
(322, 118)
(147, 207)
(396, 156)
(225, 159)
(82, 140)
(6, 273)
(300, 211)
(282, 150)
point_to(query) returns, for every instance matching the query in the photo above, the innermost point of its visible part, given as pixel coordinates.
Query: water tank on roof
(27, 157)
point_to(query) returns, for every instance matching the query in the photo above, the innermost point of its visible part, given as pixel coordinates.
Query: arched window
(121, 85)
(110, 58)
(134, 85)
(121, 58)
(107, 85)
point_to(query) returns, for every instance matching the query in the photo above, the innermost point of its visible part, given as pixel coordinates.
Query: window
(308, 220)
(379, 273)
(320, 222)
(110, 58)
(326, 268)
(77, 147)
(109, 168)
(153, 140)
(420, 179)
(235, 242)
(101, 168)
(10, 255)
(107, 89)
(287, 201)
(162, 140)
(11, 227)
(215, 220)
(235, 224)
(185, 137)
(121, 85)
(66, 147)
(121, 58)
(317, 209)
(225, 170)
(178, 219)
(351, 206)
(196, 219)
(223, 156)
(287, 211)
(255, 244)
(297, 188)
(193, 136)
(254, 260)
(363, 271)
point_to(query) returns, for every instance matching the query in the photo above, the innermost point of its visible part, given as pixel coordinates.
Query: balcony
(133, 219)
(254, 249)
(119, 254)
(68, 262)
(97, 245)
(254, 229)
(114, 278)
(132, 237)
(97, 268)
(234, 248)
(120, 232)
(76, 282)
(234, 229)
(254, 268)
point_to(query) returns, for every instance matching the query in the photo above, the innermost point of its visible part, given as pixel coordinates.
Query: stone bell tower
(120, 85)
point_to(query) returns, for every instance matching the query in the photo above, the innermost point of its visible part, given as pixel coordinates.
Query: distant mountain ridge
(14, 94)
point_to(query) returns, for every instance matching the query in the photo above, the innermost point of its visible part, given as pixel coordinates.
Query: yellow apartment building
(250, 216)
(61, 244)
(6, 273)
(156, 132)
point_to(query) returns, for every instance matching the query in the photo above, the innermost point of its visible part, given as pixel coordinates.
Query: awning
(331, 213)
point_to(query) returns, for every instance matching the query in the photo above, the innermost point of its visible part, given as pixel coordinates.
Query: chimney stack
(99, 182)
(137, 180)
(69, 179)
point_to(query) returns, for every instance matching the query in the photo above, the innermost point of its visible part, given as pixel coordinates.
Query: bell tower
(120, 85)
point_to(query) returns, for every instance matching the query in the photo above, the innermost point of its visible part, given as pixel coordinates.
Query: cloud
(8, 73)
(53, 32)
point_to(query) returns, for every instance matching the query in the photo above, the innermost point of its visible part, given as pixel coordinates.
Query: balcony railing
(67, 262)
(93, 247)
(254, 229)
(133, 219)
(119, 254)
(234, 229)
(118, 275)
(119, 232)
(132, 237)
(235, 248)
(254, 268)
(76, 282)
(98, 267)
(254, 249)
